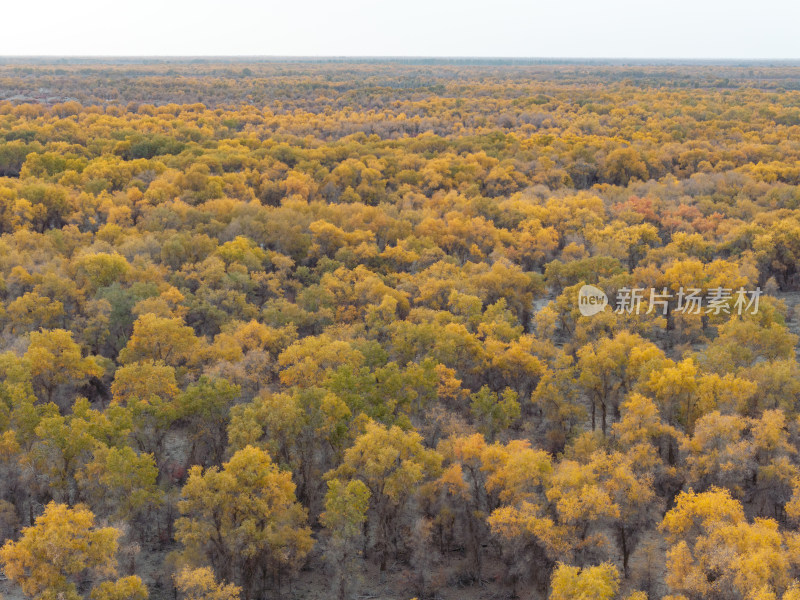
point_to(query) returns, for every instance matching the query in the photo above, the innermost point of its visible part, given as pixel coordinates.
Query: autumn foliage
(273, 330)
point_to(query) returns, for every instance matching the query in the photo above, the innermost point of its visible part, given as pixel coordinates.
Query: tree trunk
(603, 406)
(625, 550)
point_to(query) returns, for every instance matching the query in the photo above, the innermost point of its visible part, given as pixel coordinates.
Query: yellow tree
(244, 519)
(719, 453)
(463, 484)
(532, 540)
(99, 270)
(609, 368)
(557, 399)
(120, 483)
(715, 554)
(58, 551)
(125, 588)
(56, 360)
(584, 506)
(600, 582)
(163, 339)
(392, 463)
(200, 584)
(628, 481)
(305, 431)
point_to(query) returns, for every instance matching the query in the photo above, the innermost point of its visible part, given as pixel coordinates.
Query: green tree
(494, 414)
(344, 517)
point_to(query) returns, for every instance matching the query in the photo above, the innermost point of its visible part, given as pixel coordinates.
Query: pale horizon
(503, 29)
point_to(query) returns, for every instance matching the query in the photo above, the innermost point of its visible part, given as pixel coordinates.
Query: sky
(708, 29)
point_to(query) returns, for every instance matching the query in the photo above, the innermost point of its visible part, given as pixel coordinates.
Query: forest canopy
(311, 329)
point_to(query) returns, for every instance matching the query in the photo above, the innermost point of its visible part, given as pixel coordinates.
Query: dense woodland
(310, 330)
